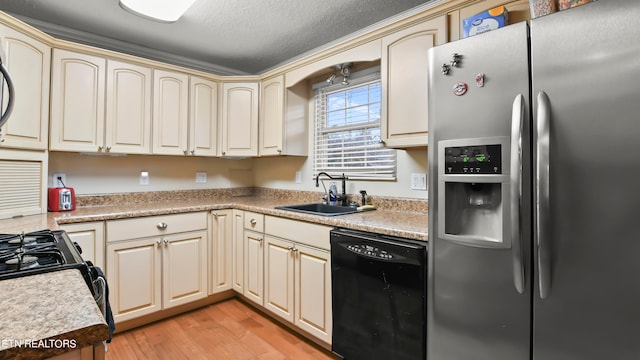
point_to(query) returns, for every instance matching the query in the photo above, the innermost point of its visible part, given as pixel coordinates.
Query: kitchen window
(347, 129)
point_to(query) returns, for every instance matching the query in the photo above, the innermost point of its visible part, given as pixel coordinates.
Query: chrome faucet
(343, 178)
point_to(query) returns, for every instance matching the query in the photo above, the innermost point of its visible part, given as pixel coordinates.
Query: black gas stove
(39, 252)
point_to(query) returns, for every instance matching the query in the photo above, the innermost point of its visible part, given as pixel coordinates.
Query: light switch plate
(418, 181)
(201, 177)
(144, 178)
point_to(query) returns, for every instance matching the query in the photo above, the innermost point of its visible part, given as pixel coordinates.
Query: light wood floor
(226, 330)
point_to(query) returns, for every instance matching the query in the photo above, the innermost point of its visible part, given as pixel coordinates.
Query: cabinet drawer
(253, 221)
(155, 226)
(299, 231)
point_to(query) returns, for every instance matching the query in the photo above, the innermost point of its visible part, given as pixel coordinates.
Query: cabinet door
(77, 102)
(90, 237)
(203, 117)
(134, 270)
(271, 116)
(404, 75)
(184, 277)
(238, 251)
(221, 263)
(240, 119)
(29, 64)
(128, 122)
(313, 291)
(278, 277)
(170, 110)
(253, 266)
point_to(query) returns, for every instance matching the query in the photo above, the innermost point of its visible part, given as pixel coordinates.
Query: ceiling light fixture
(159, 10)
(345, 70)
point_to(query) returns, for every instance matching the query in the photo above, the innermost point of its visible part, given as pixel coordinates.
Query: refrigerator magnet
(480, 80)
(460, 89)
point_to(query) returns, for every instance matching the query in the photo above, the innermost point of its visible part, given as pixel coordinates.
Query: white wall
(101, 174)
(280, 173)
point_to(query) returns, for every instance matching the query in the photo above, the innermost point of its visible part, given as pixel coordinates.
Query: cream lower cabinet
(221, 251)
(238, 250)
(253, 257)
(253, 266)
(164, 269)
(297, 274)
(404, 77)
(90, 237)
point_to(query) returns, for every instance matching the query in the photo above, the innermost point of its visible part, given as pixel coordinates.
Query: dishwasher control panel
(370, 251)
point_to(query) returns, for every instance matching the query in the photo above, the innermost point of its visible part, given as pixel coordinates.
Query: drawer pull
(162, 225)
(253, 221)
(158, 242)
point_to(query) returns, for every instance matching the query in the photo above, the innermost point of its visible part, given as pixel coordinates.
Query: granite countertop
(64, 309)
(48, 314)
(402, 223)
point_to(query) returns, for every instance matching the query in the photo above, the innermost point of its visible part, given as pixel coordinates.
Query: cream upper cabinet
(283, 121)
(170, 113)
(128, 114)
(99, 105)
(239, 119)
(203, 117)
(271, 116)
(221, 251)
(29, 64)
(77, 102)
(404, 75)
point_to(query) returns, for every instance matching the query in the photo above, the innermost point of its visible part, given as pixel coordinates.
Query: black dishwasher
(378, 296)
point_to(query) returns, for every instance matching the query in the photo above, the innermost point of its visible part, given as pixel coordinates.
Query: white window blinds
(347, 131)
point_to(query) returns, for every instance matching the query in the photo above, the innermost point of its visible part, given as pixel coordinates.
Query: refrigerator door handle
(517, 123)
(543, 119)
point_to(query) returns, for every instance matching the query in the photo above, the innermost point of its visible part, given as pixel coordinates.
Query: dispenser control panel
(474, 159)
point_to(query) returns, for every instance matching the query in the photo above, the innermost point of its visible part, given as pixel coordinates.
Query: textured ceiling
(223, 36)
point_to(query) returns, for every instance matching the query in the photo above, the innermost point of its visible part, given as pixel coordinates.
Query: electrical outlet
(201, 177)
(59, 180)
(298, 177)
(144, 178)
(418, 181)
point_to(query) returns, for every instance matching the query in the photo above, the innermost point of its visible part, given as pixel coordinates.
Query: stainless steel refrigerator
(534, 206)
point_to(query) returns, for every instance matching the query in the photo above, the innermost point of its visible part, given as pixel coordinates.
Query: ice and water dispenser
(473, 191)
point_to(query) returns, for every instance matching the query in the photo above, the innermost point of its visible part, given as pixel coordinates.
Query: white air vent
(22, 183)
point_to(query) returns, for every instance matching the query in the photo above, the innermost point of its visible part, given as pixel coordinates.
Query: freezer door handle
(517, 123)
(543, 119)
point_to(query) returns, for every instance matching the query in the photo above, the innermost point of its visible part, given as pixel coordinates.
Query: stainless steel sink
(320, 209)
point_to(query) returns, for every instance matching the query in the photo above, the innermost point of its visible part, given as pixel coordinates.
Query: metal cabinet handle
(214, 213)
(109, 148)
(166, 242)
(543, 217)
(100, 148)
(193, 152)
(253, 221)
(517, 124)
(158, 241)
(162, 225)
